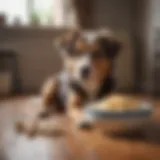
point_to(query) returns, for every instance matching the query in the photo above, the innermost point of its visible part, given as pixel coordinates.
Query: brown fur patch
(75, 100)
(50, 97)
(103, 67)
(49, 90)
(83, 47)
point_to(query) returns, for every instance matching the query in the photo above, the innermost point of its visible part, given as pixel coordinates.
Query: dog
(88, 63)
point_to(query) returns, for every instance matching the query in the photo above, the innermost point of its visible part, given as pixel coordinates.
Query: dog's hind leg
(50, 97)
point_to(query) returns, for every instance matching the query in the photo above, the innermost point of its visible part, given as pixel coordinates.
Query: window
(13, 9)
(37, 12)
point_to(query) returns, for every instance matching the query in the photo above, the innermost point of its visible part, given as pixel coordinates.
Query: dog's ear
(109, 44)
(66, 43)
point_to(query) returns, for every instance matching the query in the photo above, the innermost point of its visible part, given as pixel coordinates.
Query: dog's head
(88, 56)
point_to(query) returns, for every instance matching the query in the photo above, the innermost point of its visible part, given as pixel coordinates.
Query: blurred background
(28, 28)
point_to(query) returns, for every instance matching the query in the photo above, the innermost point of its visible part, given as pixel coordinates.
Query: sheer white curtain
(64, 13)
(13, 9)
(49, 12)
(44, 9)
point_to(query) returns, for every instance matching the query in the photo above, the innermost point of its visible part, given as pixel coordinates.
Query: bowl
(109, 120)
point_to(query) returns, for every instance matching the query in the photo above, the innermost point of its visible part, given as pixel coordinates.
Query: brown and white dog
(87, 75)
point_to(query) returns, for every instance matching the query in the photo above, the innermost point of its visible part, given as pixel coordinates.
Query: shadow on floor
(148, 132)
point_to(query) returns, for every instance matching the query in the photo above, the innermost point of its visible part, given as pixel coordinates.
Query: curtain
(84, 13)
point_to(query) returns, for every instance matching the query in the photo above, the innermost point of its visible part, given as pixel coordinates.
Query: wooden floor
(75, 144)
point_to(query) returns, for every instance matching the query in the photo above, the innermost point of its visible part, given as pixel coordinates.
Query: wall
(36, 55)
(113, 13)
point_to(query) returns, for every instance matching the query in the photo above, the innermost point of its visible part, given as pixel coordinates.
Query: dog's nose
(85, 71)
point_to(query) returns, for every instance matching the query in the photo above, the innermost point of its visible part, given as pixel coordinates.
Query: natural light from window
(13, 9)
(35, 12)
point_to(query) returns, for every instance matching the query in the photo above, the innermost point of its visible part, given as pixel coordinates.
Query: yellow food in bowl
(117, 103)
